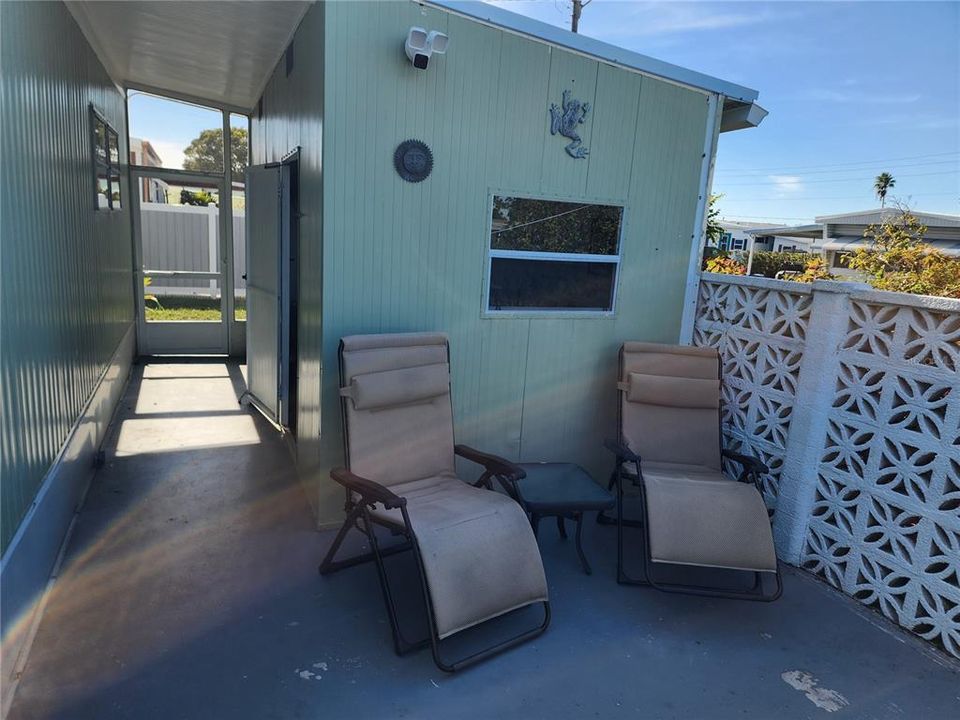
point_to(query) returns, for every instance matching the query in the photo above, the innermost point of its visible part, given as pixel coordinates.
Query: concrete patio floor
(190, 590)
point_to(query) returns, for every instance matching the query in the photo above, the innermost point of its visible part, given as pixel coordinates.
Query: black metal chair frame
(752, 470)
(359, 516)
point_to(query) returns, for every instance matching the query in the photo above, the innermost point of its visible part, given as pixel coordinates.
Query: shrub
(200, 197)
(769, 263)
(815, 269)
(900, 261)
(725, 265)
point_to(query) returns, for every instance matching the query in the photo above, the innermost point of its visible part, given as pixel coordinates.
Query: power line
(850, 197)
(929, 163)
(841, 180)
(836, 165)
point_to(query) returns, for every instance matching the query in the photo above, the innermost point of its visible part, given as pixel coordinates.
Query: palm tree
(883, 183)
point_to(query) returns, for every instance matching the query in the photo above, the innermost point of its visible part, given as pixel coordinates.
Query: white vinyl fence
(186, 237)
(852, 396)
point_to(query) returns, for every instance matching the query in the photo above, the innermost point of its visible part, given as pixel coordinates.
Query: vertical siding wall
(399, 256)
(293, 115)
(65, 270)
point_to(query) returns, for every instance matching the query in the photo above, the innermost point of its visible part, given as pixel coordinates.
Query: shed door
(268, 291)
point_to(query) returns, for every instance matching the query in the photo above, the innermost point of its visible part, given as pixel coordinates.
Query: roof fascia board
(889, 211)
(644, 64)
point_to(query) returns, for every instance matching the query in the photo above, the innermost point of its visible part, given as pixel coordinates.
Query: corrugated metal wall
(399, 256)
(65, 271)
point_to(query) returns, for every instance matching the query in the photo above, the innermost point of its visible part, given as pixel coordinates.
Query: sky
(170, 125)
(853, 89)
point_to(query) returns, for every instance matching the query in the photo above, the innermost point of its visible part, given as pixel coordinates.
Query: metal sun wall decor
(413, 160)
(564, 120)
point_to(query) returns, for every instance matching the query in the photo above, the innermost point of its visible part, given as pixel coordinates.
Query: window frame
(541, 312)
(737, 244)
(111, 169)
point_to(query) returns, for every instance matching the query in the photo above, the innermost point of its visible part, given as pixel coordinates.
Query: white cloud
(657, 18)
(863, 97)
(646, 19)
(786, 185)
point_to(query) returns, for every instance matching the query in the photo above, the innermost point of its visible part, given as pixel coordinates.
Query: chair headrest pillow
(406, 386)
(672, 391)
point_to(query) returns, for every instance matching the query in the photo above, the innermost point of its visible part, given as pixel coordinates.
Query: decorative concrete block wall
(852, 397)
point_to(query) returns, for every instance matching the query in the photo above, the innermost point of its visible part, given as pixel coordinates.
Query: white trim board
(34, 551)
(698, 238)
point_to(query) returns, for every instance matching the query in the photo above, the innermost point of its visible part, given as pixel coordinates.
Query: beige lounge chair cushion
(670, 403)
(398, 428)
(675, 471)
(670, 416)
(389, 388)
(707, 522)
(673, 391)
(479, 554)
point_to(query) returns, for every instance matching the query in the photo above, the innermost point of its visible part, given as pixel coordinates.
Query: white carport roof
(221, 52)
(878, 215)
(797, 231)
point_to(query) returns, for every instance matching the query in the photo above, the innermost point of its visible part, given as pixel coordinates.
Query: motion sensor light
(420, 45)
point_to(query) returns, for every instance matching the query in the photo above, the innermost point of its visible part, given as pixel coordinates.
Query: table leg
(583, 558)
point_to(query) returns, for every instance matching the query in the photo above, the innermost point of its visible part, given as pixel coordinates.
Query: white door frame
(186, 337)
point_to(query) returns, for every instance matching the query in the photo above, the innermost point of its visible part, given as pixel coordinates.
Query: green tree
(205, 153)
(714, 230)
(899, 260)
(883, 183)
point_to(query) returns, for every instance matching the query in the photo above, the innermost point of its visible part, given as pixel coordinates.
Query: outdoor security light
(420, 45)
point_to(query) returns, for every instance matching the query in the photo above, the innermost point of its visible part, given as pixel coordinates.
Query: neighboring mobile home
(837, 236)
(554, 209)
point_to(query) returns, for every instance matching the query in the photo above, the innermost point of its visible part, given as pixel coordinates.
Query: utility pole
(578, 6)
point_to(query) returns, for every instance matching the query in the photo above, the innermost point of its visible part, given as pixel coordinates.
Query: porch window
(551, 255)
(106, 164)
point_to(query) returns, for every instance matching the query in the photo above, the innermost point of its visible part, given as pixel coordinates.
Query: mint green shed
(381, 254)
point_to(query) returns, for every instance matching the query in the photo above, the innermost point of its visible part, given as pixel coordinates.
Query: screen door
(268, 289)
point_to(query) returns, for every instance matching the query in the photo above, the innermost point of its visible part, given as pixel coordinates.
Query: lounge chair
(475, 551)
(670, 448)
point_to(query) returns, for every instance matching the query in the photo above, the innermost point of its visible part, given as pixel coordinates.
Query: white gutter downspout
(753, 243)
(692, 290)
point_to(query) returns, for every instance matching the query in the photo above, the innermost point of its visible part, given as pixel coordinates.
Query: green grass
(197, 309)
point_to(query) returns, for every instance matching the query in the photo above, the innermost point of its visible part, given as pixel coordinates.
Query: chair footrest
(709, 523)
